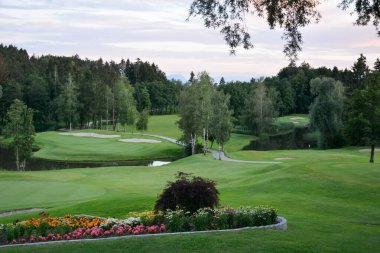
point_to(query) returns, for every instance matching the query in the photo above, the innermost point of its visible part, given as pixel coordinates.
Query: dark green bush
(189, 194)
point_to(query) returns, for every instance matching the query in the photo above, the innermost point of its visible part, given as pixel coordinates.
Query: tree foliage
(363, 124)
(327, 110)
(259, 111)
(19, 129)
(221, 119)
(230, 18)
(142, 122)
(188, 193)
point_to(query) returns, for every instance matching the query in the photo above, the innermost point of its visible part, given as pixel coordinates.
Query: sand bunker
(297, 118)
(95, 135)
(139, 140)
(9, 213)
(283, 158)
(369, 150)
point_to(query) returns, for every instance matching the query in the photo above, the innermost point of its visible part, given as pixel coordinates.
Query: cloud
(157, 30)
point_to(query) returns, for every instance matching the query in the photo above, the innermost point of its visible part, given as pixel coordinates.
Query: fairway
(55, 146)
(330, 198)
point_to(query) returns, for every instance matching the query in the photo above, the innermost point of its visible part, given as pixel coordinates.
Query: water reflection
(157, 163)
(7, 162)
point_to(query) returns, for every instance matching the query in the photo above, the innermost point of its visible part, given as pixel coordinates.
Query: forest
(70, 92)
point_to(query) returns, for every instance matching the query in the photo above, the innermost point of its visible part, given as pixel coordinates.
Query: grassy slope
(61, 147)
(330, 198)
(296, 119)
(164, 125)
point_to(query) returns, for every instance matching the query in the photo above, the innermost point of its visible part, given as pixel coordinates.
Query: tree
(259, 111)
(190, 118)
(126, 105)
(361, 70)
(221, 119)
(4, 73)
(142, 98)
(229, 17)
(142, 122)
(326, 111)
(204, 92)
(363, 124)
(68, 103)
(19, 128)
(377, 65)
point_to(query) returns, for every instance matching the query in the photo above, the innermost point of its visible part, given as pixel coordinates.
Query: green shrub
(202, 219)
(189, 194)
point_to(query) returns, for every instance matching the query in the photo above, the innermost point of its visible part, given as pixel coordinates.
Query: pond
(299, 138)
(7, 162)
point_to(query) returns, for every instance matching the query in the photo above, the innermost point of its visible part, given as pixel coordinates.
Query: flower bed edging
(281, 225)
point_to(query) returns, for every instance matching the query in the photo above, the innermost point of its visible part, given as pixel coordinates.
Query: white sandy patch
(140, 140)
(95, 135)
(369, 150)
(297, 118)
(283, 158)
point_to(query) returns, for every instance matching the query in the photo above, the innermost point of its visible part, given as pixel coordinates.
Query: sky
(157, 31)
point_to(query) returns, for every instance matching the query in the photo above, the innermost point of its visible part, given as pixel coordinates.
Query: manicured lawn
(73, 148)
(237, 142)
(296, 119)
(331, 200)
(164, 125)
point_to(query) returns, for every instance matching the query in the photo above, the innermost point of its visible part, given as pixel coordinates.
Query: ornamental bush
(189, 194)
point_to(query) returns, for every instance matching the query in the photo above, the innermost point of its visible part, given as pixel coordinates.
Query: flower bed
(48, 228)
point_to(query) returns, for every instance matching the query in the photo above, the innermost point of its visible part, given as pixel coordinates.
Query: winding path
(215, 153)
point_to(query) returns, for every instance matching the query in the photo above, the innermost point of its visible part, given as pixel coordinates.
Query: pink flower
(32, 239)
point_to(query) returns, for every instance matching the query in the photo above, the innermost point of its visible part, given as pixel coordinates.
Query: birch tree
(221, 119)
(190, 118)
(205, 92)
(20, 129)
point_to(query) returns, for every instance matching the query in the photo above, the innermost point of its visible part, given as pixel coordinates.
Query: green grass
(296, 120)
(55, 146)
(164, 125)
(331, 200)
(237, 142)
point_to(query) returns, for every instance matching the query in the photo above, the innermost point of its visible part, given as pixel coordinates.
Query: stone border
(281, 225)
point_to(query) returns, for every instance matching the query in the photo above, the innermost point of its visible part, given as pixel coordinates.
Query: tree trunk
(192, 144)
(372, 159)
(113, 114)
(220, 151)
(17, 160)
(70, 126)
(107, 116)
(204, 141)
(23, 165)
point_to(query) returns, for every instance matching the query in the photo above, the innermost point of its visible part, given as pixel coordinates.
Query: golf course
(329, 197)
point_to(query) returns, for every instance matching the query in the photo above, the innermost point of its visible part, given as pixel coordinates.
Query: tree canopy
(230, 18)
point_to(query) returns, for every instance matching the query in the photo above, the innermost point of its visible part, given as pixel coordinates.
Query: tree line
(74, 92)
(344, 105)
